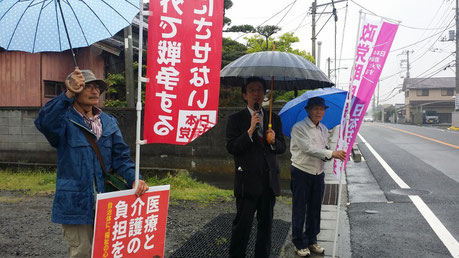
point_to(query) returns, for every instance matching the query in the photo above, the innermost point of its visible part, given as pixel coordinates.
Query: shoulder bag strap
(94, 146)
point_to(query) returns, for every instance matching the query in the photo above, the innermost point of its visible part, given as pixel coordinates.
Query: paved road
(406, 204)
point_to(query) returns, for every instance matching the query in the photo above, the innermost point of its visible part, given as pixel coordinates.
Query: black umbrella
(285, 70)
(288, 71)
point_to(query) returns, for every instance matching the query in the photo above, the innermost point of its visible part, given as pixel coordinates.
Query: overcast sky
(419, 19)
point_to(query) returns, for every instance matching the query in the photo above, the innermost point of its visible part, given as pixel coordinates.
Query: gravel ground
(26, 229)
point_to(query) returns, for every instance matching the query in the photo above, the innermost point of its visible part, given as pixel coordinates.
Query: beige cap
(90, 77)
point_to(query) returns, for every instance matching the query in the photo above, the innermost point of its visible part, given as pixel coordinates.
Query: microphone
(256, 107)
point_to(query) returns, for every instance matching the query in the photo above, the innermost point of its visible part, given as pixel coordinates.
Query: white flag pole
(140, 79)
(348, 111)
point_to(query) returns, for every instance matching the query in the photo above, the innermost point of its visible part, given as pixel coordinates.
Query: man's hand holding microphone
(256, 120)
(255, 125)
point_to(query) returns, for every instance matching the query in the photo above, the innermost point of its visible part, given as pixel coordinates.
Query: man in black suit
(254, 147)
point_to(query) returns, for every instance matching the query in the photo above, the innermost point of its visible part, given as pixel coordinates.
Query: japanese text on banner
(127, 226)
(375, 40)
(184, 56)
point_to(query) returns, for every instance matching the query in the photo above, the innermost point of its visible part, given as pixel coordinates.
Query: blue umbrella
(293, 111)
(57, 25)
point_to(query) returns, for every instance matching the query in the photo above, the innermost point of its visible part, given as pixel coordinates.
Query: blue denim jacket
(77, 165)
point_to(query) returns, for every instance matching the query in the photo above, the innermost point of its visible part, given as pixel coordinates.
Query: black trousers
(307, 194)
(242, 224)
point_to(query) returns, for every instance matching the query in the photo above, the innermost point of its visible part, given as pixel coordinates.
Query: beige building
(429, 94)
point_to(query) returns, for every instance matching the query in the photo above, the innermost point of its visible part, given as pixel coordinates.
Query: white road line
(386, 166)
(445, 236)
(441, 231)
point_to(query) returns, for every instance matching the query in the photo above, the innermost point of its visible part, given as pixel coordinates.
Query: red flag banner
(183, 68)
(127, 226)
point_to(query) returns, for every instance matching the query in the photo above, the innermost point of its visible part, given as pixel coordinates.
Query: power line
(296, 18)
(434, 73)
(291, 6)
(392, 91)
(438, 71)
(434, 65)
(417, 42)
(331, 15)
(432, 44)
(440, 21)
(392, 20)
(301, 22)
(392, 75)
(269, 18)
(443, 21)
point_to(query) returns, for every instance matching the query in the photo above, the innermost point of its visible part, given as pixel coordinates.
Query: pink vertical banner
(183, 68)
(375, 40)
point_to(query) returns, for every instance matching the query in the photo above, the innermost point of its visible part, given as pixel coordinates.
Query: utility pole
(377, 101)
(374, 107)
(319, 46)
(407, 52)
(128, 67)
(328, 61)
(455, 115)
(314, 7)
(407, 64)
(313, 38)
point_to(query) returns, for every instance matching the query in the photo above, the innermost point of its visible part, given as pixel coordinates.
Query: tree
(115, 95)
(231, 50)
(241, 28)
(266, 31)
(226, 5)
(283, 43)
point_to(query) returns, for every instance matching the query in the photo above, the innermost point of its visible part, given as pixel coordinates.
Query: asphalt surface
(385, 222)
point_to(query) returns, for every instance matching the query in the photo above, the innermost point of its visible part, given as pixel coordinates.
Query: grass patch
(5, 199)
(32, 182)
(284, 199)
(28, 181)
(184, 187)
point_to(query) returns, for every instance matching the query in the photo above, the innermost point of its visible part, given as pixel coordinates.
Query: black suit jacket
(250, 155)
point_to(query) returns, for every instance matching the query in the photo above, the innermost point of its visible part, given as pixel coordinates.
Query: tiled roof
(429, 83)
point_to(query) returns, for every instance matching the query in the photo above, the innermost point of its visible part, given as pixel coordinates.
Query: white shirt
(309, 146)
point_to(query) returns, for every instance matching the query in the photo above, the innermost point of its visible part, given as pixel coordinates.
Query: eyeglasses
(318, 108)
(91, 86)
(256, 90)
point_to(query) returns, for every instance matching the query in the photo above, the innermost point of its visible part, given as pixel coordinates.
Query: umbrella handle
(271, 100)
(268, 134)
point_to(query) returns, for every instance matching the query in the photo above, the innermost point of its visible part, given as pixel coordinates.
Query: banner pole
(139, 98)
(348, 111)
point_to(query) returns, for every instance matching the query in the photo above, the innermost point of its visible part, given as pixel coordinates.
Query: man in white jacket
(309, 148)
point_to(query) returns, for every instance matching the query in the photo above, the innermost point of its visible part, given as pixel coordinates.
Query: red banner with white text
(127, 226)
(183, 68)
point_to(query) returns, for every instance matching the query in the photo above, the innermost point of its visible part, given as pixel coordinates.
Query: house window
(52, 88)
(422, 92)
(447, 92)
(407, 94)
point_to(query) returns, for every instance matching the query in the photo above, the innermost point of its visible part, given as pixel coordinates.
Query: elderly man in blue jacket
(79, 173)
